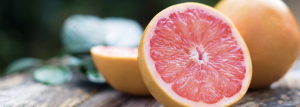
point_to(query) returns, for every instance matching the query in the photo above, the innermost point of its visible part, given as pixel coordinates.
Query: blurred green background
(32, 28)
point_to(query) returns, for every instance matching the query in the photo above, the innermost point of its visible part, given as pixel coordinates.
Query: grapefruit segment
(192, 55)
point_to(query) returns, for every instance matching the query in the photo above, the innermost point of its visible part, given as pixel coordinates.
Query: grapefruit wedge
(192, 55)
(119, 67)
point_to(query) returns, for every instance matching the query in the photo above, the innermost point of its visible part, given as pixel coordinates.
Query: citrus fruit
(271, 34)
(192, 55)
(119, 67)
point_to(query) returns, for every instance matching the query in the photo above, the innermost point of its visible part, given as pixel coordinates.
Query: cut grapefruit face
(119, 67)
(192, 55)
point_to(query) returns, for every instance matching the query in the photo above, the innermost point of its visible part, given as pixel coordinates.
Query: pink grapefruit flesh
(195, 54)
(117, 51)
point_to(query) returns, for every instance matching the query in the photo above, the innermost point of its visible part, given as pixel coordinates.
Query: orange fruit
(119, 67)
(271, 34)
(192, 55)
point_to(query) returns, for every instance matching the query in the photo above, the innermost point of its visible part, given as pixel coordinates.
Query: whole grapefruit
(271, 34)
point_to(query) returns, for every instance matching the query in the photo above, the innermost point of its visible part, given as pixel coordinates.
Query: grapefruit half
(192, 55)
(119, 67)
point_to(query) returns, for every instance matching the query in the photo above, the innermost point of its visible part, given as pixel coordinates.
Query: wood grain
(20, 90)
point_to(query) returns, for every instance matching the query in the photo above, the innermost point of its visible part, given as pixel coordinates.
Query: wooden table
(22, 91)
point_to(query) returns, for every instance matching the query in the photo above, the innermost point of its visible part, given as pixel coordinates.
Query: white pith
(195, 55)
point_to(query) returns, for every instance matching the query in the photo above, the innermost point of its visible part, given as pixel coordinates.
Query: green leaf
(87, 64)
(22, 64)
(81, 32)
(122, 32)
(89, 69)
(69, 60)
(95, 76)
(53, 75)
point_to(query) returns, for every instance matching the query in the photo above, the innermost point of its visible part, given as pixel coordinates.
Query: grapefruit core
(119, 67)
(192, 55)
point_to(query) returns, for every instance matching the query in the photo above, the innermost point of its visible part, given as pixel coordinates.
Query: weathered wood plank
(20, 90)
(100, 98)
(285, 92)
(113, 98)
(139, 102)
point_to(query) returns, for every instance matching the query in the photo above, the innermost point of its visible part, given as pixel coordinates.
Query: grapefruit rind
(163, 91)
